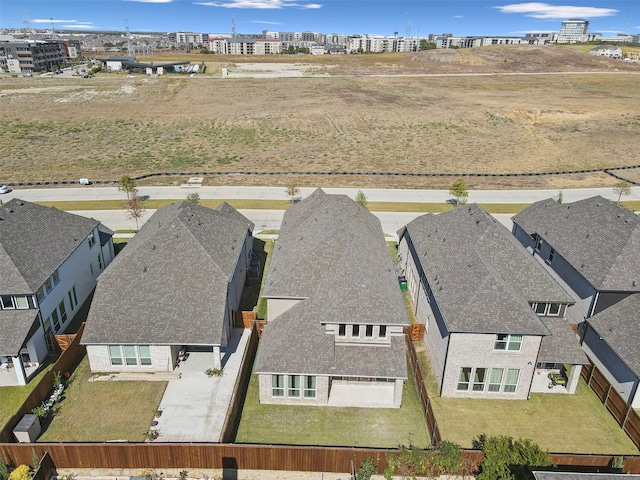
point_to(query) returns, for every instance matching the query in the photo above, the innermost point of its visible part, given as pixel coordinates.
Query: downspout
(594, 302)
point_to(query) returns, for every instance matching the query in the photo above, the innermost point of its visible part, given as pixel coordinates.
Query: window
(277, 385)
(496, 379)
(22, 302)
(511, 382)
(40, 294)
(539, 243)
(91, 267)
(464, 378)
(508, 342)
(540, 308)
(62, 311)
(130, 355)
(342, 330)
(56, 320)
(6, 301)
(355, 331)
(145, 355)
(73, 298)
(551, 254)
(309, 387)
(100, 261)
(368, 332)
(294, 386)
(91, 238)
(383, 331)
(554, 309)
(478, 379)
(54, 278)
(115, 354)
(47, 326)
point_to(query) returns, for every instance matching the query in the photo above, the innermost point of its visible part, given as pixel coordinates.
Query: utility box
(84, 181)
(28, 429)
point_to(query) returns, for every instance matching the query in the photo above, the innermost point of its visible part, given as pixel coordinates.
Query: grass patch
(103, 411)
(333, 426)
(11, 398)
(558, 423)
(261, 308)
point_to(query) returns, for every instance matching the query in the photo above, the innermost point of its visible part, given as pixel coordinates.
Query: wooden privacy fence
(423, 395)
(63, 341)
(626, 416)
(41, 392)
(45, 470)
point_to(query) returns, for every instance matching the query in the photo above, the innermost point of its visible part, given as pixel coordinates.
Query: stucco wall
(477, 350)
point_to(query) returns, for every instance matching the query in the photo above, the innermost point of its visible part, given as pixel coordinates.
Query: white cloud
(264, 22)
(80, 26)
(150, 1)
(259, 4)
(548, 12)
(51, 20)
(458, 16)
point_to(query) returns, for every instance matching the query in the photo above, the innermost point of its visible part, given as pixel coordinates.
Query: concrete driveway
(194, 407)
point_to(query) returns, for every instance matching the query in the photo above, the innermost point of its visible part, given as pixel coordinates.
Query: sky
(380, 17)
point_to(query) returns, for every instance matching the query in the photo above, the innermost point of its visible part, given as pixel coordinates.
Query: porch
(9, 377)
(542, 383)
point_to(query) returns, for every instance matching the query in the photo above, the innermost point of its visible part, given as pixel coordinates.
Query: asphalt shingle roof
(34, 241)
(331, 252)
(169, 284)
(480, 275)
(618, 327)
(600, 239)
(562, 346)
(15, 327)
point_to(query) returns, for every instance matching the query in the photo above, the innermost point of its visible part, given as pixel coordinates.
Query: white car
(4, 189)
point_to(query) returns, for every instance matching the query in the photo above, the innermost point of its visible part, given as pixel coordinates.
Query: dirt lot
(101, 128)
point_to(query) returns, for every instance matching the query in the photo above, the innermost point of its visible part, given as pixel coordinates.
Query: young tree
(361, 199)
(135, 207)
(126, 184)
(292, 190)
(458, 189)
(622, 188)
(193, 198)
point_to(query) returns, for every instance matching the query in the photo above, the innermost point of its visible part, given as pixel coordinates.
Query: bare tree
(622, 188)
(292, 190)
(135, 206)
(126, 184)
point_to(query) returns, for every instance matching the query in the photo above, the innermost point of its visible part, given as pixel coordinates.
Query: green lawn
(11, 398)
(558, 423)
(101, 411)
(333, 426)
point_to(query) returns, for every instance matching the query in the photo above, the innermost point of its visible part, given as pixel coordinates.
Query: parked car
(4, 189)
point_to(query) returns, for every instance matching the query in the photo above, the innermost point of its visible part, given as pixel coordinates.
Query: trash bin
(403, 283)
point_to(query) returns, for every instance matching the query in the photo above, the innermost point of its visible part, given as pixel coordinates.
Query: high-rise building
(573, 30)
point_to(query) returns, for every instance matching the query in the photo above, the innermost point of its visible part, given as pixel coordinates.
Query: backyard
(558, 423)
(103, 411)
(333, 426)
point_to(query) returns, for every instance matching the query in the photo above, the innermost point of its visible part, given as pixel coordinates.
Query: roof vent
(153, 247)
(21, 203)
(471, 264)
(633, 283)
(587, 236)
(144, 269)
(496, 235)
(494, 287)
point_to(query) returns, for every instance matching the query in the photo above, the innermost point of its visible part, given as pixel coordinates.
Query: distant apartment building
(543, 37)
(28, 56)
(450, 41)
(382, 43)
(189, 39)
(573, 31)
(218, 45)
(254, 46)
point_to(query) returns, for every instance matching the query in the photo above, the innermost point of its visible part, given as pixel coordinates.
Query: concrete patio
(194, 407)
(361, 394)
(8, 377)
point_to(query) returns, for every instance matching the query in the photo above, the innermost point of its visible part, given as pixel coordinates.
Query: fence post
(606, 397)
(593, 368)
(433, 433)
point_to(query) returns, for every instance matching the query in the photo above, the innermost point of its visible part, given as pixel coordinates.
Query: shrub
(508, 459)
(4, 471)
(23, 472)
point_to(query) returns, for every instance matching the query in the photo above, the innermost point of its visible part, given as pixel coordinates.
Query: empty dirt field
(55, 129)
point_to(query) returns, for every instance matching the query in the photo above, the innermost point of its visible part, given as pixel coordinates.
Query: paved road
(278, 193)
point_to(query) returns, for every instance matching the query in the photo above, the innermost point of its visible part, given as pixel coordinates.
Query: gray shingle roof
(15, 328)
(331, 252)
(34, 241)
(618, 327)
(169, 284)
(481, 277)
(562, 346)
(600, 239)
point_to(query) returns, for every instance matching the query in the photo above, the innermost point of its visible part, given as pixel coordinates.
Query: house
(611, 340)
(610, 51)
(335, 312)
(494, 319)
(49, 261)
(174, 288)
(592, 247)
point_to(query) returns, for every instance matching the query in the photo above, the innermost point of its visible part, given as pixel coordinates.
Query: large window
(62, 311)
(464, 379)
(48, 285)
(368, 331)
(56, 320)
(73, 298)
(479, 378)
(309, 387)
(547, 309)
(294, 386)
(6, 302)
(496, 379)
(130, 355)
(511, 383)
(277, 385)
(508, 342)
(342, 330)
(355, 331)
(22, 302)
(382, 333)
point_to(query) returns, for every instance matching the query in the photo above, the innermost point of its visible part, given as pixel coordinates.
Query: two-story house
(494, 319)
(592, 247)
(335, 312)
(49, 262)
(174, 288)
